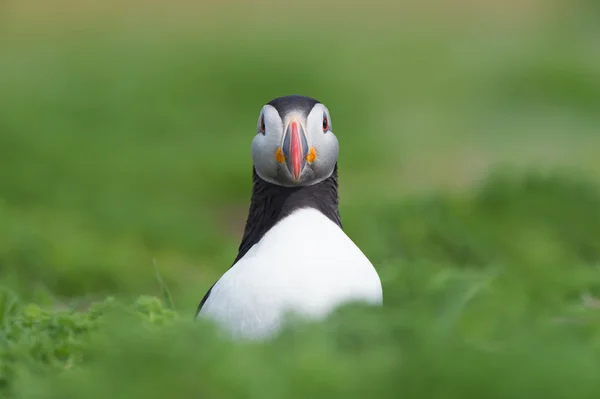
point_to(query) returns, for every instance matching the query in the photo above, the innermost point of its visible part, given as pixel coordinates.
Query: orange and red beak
(295, 148)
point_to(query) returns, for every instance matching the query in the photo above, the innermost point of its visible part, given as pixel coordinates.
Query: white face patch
(268, 147)
(264, 145)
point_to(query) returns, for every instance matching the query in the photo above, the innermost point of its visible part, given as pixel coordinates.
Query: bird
(294, 257)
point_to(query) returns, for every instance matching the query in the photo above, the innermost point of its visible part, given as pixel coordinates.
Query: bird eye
(325, 123)
(262, 124)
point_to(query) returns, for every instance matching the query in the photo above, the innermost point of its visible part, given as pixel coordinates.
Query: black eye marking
(325, 123)
(262, 124)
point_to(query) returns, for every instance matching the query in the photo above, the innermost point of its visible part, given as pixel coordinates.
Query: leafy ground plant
(385, 353)
(36, 340)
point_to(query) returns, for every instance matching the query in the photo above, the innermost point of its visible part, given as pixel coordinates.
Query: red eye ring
(262, 124)
(325, 123)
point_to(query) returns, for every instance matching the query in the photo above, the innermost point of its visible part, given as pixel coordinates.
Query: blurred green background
(469, 136)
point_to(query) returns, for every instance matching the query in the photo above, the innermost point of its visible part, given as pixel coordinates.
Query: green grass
(469, 175)
(491, 295)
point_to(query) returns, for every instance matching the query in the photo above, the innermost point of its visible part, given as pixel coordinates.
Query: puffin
(294, 257)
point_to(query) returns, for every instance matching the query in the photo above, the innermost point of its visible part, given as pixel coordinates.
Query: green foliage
(133, 145)
(358, 351)
(490, 295)
(125, 179)
(40, 340)
(537, 218)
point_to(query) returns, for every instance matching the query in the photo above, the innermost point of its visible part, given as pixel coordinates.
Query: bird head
(294, 144)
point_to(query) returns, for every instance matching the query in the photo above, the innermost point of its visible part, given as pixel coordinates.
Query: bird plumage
(275, 277)
(294, 256)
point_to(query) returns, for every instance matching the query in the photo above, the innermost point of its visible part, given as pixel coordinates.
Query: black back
(271, 203)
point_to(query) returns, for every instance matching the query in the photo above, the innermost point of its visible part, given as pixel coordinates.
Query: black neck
(270, 203)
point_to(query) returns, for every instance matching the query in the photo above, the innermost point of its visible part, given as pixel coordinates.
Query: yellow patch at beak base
(279, 155)
(312, 155)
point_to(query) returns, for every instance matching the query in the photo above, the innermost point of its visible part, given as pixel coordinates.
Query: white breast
(304, 265)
